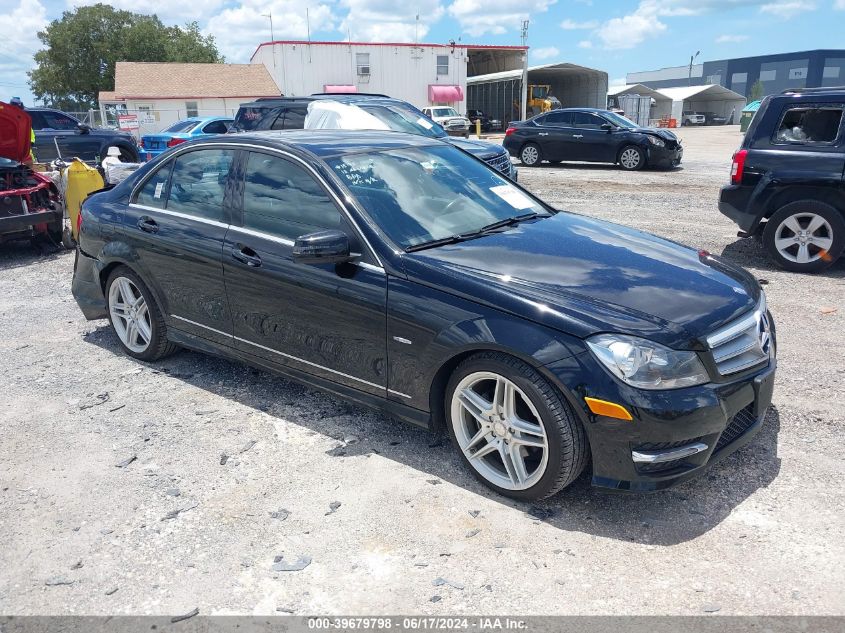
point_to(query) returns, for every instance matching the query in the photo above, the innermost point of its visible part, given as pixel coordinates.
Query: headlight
(647, 365)
(656, 141)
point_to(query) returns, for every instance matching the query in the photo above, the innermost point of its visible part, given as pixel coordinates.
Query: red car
(29, 203)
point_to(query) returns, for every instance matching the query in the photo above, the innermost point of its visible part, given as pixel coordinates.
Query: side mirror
(607, 127)
(84, 128)
(322, 247)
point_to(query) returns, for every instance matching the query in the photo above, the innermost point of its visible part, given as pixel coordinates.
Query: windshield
(182, 126)
(422, 194)
(444, 112)
(619, 120)
(403, 119)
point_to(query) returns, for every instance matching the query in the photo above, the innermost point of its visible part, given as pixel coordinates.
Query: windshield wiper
(506, 222)
(453, 239)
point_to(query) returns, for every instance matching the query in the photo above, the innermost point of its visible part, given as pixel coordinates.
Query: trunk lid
(15, 133)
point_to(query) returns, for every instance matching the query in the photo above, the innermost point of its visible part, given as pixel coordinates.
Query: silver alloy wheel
(130, 315)
(529, 155)
(499, 431)
(630, 158)
(803, 238)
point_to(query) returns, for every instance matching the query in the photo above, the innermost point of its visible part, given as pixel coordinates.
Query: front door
(326, 320)
(593, 143)
(175, 225)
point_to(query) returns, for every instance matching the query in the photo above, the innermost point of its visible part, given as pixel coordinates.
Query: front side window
(420, 194)
(283, 200)
(809, 124)
(442, 64)
(588, 121)
(58, 121)
(362, 63)
(198, 182)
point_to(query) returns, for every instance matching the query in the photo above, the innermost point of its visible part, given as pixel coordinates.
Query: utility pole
(272, 37)
(691, 60)
(524, 91)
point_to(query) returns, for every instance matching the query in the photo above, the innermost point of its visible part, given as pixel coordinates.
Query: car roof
(328, 143)
(351, 98)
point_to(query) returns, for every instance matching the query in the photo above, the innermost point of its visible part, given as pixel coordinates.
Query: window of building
(831, 72)
(714, 79)
(768, 75)
(191, 109)
(798, 73)
(739, 78)
(198, 182)
(809, 124)
(442, 64)
(362, 63)
(282, 199)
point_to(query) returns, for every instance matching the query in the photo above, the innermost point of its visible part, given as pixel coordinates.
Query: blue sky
(617, 36)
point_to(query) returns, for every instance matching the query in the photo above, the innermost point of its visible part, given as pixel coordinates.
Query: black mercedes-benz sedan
(400, 272)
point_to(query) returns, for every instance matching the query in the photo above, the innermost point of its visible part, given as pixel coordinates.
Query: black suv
(75, 139)
(289, 113)
(787, 179)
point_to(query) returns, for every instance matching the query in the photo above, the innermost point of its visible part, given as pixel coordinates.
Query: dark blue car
(402, 273)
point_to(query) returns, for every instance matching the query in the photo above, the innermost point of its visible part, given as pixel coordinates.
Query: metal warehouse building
(498, 94)
(805, 69)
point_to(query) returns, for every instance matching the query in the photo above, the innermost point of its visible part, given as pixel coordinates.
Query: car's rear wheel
(631, 158)
(512, 428)
(805, 236)
(135, 316)
(530, 155)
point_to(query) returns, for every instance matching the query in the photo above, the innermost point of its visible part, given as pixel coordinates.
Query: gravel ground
(128, 488)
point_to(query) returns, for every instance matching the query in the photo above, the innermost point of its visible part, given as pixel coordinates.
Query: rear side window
(217, 127)
(154, 192)
(249, 119)
(283, 200)
(295, 118)
(807, 124)
(198, 182)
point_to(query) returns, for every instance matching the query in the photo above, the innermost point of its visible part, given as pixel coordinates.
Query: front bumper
(664, 156)
(671, 424)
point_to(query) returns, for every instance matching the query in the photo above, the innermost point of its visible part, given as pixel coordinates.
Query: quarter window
(198, 183)
(809, 124)
(283, 200)
(442, 64)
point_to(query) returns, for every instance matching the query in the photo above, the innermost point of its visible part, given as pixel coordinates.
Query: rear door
(325, 320)
(175, 224)
(555, 135)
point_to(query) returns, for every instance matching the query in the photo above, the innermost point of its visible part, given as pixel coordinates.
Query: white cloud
(387, 21)
(585, 44)
(477, 17)
(839, 5)
(547, 52)
(731, 39)
(238, 30)
(169, 11)
(19, 24)
(788, 8)
(571, 25)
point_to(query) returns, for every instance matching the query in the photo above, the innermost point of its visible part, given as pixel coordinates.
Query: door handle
(542, 134)
(246, 255)
(148, 225)
(577, 136)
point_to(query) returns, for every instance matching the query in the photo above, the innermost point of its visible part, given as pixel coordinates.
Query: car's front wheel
(530, 155)
(805, 236)
(512, 428)
(135, 316)
(631, 158)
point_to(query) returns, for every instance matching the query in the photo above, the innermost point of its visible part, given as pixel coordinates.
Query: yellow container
(81, 181)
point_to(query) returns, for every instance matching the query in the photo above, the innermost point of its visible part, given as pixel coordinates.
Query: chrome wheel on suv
(805, 236)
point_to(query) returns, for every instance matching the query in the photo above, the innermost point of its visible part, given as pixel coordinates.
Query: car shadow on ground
(596, 167)
(749, 252)
(663, 518)
(22, 253)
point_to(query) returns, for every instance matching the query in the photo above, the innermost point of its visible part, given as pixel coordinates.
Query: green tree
(757, 90)
(81, 48)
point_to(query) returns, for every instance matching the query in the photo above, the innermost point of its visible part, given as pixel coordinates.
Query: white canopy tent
(708, 98)
(661, 105)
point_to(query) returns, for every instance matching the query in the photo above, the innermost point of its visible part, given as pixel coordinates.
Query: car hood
(657, 131)
(584, 276)
(15, 132)
(481, 149)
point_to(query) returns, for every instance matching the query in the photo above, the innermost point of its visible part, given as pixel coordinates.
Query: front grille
(501, 163)
(738, 425)
(660, 466)
(742, 344)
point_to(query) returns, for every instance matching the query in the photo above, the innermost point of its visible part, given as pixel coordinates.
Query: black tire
(626, 165)
(800, 210)
(529, 149)
(159, 346)
(127, 155)
(568, 449)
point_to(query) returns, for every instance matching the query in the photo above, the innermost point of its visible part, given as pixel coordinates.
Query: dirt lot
(129, 488)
